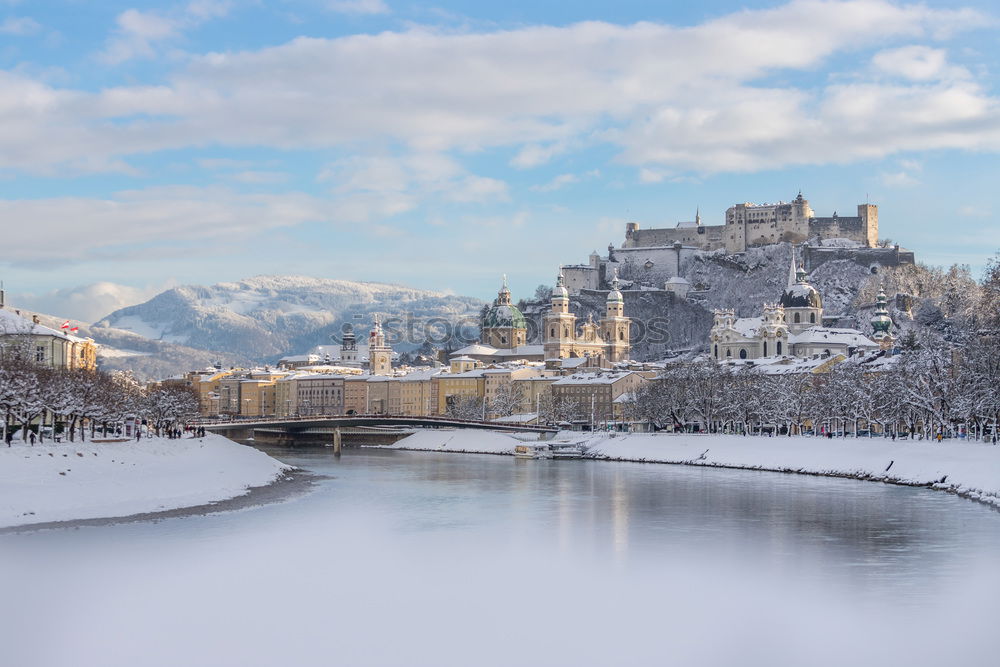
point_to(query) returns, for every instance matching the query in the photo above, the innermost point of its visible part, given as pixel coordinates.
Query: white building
(793, 327)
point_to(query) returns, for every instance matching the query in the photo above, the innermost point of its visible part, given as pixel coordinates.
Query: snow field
(86, 480)
(969, 469)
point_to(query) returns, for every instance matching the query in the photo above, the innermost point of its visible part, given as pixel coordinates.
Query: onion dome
(560, 291)
(615, 296)
(881, 322)
(801, 294)
(503, 314)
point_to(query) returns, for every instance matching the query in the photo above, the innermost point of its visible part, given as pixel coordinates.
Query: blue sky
(441, 145)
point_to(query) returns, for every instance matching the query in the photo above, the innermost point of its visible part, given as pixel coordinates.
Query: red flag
(74, 329)
(65, 325)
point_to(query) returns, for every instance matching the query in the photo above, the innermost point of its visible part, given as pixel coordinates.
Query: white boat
(548, 450)
(532, 450)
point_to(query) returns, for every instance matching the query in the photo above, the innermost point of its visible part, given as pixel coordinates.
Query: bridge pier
(338, 442)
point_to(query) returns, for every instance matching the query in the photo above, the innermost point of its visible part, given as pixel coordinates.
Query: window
(779, 347)
(798, 318)
(552, 332)
(716, 351)
(812, 317)
(40, 353)
(743, 353)
(765, 348)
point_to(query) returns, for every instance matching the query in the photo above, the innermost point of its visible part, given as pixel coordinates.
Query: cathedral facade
(607, 340)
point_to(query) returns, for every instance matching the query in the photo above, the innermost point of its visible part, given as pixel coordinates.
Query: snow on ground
(970, 469)
(457, 440)
(67, 481)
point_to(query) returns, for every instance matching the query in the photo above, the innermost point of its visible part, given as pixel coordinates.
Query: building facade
(606, 341)
(794, 327)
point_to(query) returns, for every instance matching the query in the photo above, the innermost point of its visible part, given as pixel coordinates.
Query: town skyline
(209, 141)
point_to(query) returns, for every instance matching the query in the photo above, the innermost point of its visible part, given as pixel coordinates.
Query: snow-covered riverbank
(968, 468)
(69, 481)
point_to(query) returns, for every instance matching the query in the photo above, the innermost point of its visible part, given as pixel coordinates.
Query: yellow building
(452, 386)
(416, 392)
(44, 345)
(596, 395)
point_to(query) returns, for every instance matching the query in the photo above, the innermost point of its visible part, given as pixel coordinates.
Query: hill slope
(265, 317)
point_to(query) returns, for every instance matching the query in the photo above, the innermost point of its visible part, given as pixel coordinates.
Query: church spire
(792, 277)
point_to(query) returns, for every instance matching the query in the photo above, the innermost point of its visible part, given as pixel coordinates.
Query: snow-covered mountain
(266, 317)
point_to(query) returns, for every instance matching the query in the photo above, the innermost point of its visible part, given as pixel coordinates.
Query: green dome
(501, 316)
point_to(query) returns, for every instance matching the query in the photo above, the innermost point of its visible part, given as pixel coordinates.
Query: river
(416, 558)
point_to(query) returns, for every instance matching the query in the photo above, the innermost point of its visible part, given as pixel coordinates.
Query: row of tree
(928, 389)
(37, 399)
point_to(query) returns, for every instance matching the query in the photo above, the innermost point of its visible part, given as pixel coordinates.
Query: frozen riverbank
(968, 468)
(88, 480)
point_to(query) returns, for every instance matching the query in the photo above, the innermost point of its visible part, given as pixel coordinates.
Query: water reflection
(416, 558)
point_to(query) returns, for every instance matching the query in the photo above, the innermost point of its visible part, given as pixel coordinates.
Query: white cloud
(974, 212)
(647, 176)
(918, 63)
(373, 187)
(22, 25)
(556, 183)
(139, 33)
(670, 99)
(899, 179)
(88, 303)
(119, 227)
(359, 6)
(260, 177)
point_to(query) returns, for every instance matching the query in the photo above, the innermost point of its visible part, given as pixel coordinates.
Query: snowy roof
(748, 326)
(517, 419)
(12, 323)
(677, 280)
(475, 348)
(463, 358)
(573, 362)
(831, 336)
(593, 378)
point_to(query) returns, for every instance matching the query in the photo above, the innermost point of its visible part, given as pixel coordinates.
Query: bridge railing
(308, 418)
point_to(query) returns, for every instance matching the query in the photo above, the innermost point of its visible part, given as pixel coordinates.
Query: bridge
(332, 427)
(343, 421)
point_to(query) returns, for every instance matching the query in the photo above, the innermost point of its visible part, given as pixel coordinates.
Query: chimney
(34, 319)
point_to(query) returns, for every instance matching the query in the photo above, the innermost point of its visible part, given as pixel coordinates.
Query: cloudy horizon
(441, 146)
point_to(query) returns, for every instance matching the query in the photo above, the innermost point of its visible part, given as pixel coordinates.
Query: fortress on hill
(657, 258)
(748, 225)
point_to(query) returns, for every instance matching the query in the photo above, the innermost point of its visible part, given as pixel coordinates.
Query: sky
(441, 145)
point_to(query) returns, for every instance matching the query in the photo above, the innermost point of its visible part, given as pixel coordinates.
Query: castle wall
(652, 266)
(868, 257)
(705, 237)
(581, 277)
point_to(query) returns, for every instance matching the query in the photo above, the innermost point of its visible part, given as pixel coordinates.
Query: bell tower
(615, 327)
(559, 325)
(379, 354)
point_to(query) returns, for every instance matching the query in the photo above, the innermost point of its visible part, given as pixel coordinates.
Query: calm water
(412, 558)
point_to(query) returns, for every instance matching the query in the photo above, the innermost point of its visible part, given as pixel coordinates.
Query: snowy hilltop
(265, 317)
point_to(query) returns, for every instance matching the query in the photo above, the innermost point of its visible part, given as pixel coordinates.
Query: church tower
(559, 325)
(802, 303)
(379, 354)
(349, 347)
(882, 323)
(615, 327)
